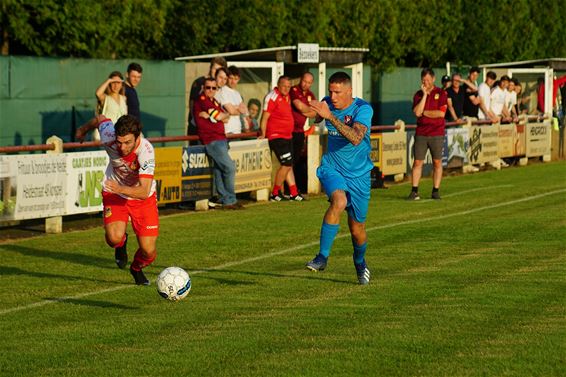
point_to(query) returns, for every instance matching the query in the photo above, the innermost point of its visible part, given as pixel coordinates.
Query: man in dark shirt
(456, 98)
(471, 100)
(133, 79)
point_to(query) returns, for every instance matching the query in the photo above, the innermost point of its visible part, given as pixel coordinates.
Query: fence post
(401, 176)
(54, 224)
(523, 119)
(313, 162)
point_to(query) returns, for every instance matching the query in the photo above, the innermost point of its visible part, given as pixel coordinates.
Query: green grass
(473, 285)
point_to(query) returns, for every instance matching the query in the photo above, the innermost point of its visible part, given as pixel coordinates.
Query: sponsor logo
(436, 96)
(134, 165)
(348, 120)
(107, 211)
(152, 227)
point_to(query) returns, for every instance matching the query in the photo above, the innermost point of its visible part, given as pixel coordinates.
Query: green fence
(40, 97)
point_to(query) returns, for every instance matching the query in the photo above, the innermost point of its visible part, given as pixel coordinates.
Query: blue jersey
(348, 159)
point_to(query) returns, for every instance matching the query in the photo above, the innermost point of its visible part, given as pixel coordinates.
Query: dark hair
(206, 79)
(427, 71)
(515, 81)
(504, 78)
(218, 60)
(475, 69)
(254, 101)
(128, 124)
(491, 75)
(340, 78)
(135, 67)
(221, 69)
(283, 77)
(233, 71)
(113, 74)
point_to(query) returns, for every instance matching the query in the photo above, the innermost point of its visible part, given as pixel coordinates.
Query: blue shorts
(357, 190)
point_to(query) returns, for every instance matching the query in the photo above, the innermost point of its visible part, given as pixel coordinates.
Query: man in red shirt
(429, 105)
(210, 120)
(301, 96)
(277, 126)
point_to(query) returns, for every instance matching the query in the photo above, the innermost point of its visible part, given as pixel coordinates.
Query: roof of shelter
(288, 54)
(554, 63)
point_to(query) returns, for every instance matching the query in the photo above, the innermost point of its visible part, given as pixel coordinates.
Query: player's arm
(354, 134)
(140, 191)
(263, 124)
(92, 124)
(304, 109)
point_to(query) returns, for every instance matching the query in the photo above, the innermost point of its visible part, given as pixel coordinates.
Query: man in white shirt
(498, 103)
(484, 94)
(511, 98)
(230, 98)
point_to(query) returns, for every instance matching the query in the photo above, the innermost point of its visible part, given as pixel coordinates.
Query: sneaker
(414, 196)
(435, 195)
(139, 277)
(318, 263)
(214, 203)
(297, 198)
(363, 273)
(121, 255)
(276, 198)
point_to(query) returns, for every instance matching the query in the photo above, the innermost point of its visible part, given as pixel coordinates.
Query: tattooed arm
(354, 134)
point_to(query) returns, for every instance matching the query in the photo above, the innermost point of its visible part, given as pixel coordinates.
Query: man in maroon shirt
(429, 105)
(210, 120)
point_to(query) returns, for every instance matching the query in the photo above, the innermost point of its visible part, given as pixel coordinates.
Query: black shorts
(283, 149)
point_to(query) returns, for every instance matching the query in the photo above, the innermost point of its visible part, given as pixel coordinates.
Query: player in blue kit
(345, 170)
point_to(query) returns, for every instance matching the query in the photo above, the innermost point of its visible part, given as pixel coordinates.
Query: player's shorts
(144, 214)
(434, 143)
(357, 190)
(283, 149)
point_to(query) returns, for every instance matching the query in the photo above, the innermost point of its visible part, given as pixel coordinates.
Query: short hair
(515, 81)
(504, 78)
(135, 67)
(128, 124)
(491, 75)
(340, 78)
(209, 79)
(427, 71)
(475, 69)
(456, 74)
(307, 73)
(221, 69)
(254, 101)
(233, 71)
(283, 77)
(219, 60)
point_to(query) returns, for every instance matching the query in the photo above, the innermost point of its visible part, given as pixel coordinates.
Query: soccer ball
(173, 283)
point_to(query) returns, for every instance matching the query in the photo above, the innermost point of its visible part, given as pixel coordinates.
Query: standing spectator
(196, 89)
(470, 87)
(230, 99)
(250, 123)
(133, 79)
(484, 93)
(456, 98)
(210, 120)
(111, 99)
(498, 97)
(429, 105)
(522, 106)
(345, 170)
(277, 125)
(128, 190)
(301, 96)
(511, 98)
(446, 82)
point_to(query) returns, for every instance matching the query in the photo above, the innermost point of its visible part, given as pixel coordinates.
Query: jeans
(223, 170)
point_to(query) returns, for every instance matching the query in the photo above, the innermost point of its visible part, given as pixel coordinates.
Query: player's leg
(115, 222)
(436, 146)
(360, 189)
(282, 150)
(145, 222)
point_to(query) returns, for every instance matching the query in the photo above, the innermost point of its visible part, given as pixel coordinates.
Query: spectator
(446, 82)
(429, 105)
(230, 99)
(277, 125)
(210, 120)
(456, 97)
(111, 99)
(471, 100)
(511, 98)
(498, 96)
(301, 96)
(523, 100)
(484, 95)
(250, 122)
(196, 89)
(133, 78)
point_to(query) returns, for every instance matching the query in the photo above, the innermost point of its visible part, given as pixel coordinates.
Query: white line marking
(476, 189)
(291, 249)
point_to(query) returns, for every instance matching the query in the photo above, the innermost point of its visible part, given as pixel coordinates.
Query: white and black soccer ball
(173, 283)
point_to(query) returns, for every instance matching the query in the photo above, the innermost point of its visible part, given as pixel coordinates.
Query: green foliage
(397, 32)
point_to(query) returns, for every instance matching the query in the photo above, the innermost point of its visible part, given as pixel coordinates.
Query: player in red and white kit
(128, 190)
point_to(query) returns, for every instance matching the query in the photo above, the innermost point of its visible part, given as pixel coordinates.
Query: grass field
(472, 285)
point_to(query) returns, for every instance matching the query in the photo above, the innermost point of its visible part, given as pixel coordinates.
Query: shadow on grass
(92, 303)
(7, 270)
(308, 275)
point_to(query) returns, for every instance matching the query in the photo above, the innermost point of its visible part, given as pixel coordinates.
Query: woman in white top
(111, 98)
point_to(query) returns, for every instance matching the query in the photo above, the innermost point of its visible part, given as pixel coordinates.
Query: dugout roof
(558, 64)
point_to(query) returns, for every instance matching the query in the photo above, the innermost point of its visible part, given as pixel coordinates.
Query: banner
(538, 139)
(375, 154)
(483, 144)
(85, 172)
(196, 180)
(253, 164)
(455, 147)
(506, 146)
(394, 153)
(168, 173)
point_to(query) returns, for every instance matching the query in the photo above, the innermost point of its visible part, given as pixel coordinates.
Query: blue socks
(327, 234)
(359, 252)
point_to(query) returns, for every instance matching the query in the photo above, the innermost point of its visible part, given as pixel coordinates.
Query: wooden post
(313, 162)
(54, 224)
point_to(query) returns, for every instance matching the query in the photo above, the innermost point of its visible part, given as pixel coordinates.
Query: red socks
(275, 190)
(140, 261)
(293, 190)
